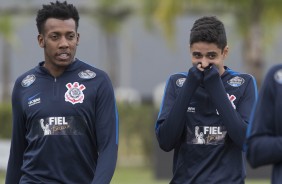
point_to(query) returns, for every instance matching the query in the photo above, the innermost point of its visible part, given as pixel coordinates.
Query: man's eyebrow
(59, 33)
(195, 52)
(212, 52)
(208, 53)
(69, 32)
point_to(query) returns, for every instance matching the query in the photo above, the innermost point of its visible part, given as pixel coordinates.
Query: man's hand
(201, 68)
(196, 73)
(211, 72)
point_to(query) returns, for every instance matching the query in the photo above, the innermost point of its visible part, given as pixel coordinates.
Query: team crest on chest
(74, 93)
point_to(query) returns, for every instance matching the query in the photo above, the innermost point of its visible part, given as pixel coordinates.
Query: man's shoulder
(275, 68)
(178, 78)
(236, 75)
(84, 66)
(27, 74)
(178, 75)
(275, 74)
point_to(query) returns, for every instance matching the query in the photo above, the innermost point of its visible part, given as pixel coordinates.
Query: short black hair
(58, 10)
(209, 29)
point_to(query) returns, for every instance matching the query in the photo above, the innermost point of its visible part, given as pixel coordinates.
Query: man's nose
(63, 43)
(205, 62)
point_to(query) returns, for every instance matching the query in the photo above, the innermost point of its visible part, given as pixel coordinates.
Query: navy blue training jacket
(264, 144)
(65, 129)
(203, 118)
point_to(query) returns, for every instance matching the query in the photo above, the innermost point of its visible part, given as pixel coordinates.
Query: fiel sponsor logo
(57, 121)
(52, 125)
(213, 130)
(212, 135)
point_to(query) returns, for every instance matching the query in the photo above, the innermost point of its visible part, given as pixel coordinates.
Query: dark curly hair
(210, 30)
(58, 10)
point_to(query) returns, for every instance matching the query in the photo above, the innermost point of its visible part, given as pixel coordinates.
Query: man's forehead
(204, 46)
(209, 52)
(58, 25)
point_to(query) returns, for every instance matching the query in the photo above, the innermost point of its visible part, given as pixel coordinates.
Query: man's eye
(71, 37)
(197, 55)
(54, 37)
(211, 56)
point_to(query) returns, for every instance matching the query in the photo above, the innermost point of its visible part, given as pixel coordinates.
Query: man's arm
(107, 133)
(170, 129)
(18, 143)
(235, 123)
(264, 145)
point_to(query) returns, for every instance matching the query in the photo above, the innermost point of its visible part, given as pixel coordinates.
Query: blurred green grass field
(143, 175)
(140, 175)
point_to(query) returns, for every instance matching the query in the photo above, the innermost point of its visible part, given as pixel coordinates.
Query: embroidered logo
(87, 74)
(180, 82)
(278, 76)
(74, 93)
(236, 81)
(191, 109)
(34, 100)
(28, 80)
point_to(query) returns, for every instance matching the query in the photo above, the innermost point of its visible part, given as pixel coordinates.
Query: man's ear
(41, 41)
(225, 51)
(78, 36)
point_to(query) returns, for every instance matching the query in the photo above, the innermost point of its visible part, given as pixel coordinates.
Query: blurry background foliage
(136, 132)
(5, 120)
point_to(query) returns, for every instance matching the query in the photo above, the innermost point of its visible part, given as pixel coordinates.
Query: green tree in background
(255, 20)
(137, 124)
(110, 14)
(6, 29)
(5, 121)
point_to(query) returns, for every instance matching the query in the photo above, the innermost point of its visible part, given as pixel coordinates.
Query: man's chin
(64, 62)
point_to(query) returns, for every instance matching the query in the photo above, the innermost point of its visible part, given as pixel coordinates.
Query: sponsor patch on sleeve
(236, 81)
(278, 76)
(180, 82)
(87, 74)
(28, 80)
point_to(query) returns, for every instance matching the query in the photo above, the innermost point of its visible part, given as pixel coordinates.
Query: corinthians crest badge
(74, 93)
